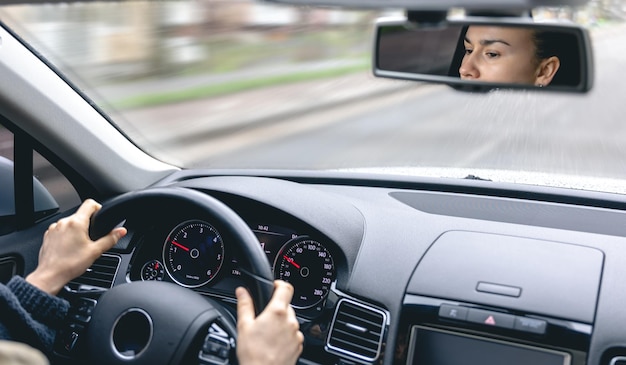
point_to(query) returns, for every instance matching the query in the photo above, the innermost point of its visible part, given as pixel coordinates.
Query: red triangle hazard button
(490, 321)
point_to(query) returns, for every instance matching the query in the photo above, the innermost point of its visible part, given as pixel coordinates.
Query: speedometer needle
(179, 245)
(290, 260)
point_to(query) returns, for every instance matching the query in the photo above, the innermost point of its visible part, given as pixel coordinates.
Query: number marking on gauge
(309, 267)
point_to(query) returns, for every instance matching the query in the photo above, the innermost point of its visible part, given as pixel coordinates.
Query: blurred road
(398, 123)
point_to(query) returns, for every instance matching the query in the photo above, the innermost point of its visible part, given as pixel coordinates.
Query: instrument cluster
(195, 255)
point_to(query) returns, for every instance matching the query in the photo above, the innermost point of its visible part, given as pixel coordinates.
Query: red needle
(179, 245)
(290, 260)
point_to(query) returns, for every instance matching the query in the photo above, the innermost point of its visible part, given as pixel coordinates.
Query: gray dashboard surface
(555, 279)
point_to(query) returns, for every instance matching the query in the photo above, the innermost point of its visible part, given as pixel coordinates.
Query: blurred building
(140, 37)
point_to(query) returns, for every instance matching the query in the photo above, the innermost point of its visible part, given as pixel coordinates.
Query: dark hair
(565, 47)
(459, 52)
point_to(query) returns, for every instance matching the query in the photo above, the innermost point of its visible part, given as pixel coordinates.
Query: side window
(51, 190)
(55, 182)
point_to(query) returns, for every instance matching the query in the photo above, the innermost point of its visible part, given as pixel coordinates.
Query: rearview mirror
(481, 54)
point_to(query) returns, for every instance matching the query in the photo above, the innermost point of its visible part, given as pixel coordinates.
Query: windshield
(245, 84)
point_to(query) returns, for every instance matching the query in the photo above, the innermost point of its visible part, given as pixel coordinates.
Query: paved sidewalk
(209, 118)
(116, 92)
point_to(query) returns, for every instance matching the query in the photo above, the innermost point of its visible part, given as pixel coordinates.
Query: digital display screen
(272, 238)
(436, 347)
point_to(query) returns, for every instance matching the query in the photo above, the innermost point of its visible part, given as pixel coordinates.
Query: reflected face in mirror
(507, 55)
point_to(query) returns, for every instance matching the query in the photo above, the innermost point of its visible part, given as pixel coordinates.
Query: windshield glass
(245, 84)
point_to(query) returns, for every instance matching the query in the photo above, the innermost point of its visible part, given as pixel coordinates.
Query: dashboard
(403, 273)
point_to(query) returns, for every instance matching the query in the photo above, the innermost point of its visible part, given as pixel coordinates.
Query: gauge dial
(309, 267)
(193, 253)
(152, 270)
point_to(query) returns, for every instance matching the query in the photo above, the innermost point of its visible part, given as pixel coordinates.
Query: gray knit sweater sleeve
(30, 315)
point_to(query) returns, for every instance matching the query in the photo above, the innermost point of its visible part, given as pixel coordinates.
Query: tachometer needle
(290, 260)
(179, 245)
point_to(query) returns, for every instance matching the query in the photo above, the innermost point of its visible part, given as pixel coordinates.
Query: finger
(293, 320)
(283, 292)
(245, 306)
(300, 339)
(105, 243)
(87, 209)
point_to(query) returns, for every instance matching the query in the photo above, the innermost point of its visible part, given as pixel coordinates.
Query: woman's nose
(468, 68)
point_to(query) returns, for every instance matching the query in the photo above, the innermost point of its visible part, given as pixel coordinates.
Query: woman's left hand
(67, 251)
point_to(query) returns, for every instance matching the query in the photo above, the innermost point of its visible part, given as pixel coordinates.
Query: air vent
(100, 275)
(357, 331)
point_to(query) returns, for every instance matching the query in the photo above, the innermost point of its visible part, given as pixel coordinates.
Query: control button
(216, 349)
(85, 308)
(67, 339)
(70, 341)
(531, 325)
(495, 319)
(453, 312)
(76, 317)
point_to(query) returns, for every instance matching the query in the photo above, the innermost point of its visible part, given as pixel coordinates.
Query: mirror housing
(435, 52)
(434, 4)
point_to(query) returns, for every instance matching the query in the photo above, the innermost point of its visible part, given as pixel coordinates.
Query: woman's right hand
(272, 338)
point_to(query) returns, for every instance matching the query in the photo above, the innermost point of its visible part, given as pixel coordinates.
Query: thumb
(245, 306)
(105, 243)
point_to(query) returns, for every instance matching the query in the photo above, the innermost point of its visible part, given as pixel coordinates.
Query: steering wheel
(158, 322)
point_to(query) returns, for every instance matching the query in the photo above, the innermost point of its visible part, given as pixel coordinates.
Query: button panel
(78, 317)
(493, 319)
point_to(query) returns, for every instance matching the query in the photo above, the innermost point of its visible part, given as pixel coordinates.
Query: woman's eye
(468, 51)
(492, 54)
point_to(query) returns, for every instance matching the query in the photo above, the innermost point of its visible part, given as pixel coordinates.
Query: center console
(479, 298)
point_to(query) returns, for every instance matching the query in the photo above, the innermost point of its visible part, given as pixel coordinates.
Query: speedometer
(308, 266)
(193, 253)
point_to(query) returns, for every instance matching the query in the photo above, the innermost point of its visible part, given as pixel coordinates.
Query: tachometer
(193, 253)
(309, 267)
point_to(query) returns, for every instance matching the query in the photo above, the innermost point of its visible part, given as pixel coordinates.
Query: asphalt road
(434, 126)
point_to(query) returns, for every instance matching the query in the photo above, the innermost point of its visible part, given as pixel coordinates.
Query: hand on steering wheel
(274, 336)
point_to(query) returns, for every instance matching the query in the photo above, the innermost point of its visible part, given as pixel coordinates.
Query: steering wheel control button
(132, 333)
(215, 350)
(67, 339)
(531, 325)
(453, 312)
(81, 310)
(78, 316)
(489, 318)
